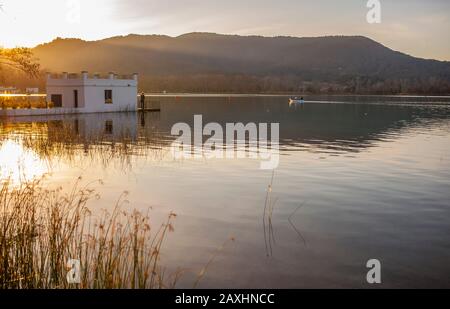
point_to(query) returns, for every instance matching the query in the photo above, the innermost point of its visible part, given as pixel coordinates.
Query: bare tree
(19, 58)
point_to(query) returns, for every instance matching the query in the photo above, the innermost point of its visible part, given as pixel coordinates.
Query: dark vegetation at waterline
(213, 63)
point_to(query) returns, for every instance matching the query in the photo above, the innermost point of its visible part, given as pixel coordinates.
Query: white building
(32, 90)
(92, 94)
(8, 90)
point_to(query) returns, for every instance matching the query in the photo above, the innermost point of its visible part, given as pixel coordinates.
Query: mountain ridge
(338, 63)
(194, 34)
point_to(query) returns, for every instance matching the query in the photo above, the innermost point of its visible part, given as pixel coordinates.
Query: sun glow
(29, 23)
(19, 164)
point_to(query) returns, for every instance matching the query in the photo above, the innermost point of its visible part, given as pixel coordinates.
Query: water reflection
(331, 129)
(18, 164)
(381, 193)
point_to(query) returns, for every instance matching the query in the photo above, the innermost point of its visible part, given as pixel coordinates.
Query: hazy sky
(417, 27)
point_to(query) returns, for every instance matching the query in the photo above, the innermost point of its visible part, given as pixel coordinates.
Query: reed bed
(41, 230)
(26, 102)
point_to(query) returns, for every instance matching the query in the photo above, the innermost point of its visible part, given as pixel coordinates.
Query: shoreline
(182, 94)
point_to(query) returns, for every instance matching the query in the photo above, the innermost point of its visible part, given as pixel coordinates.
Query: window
(108, 97)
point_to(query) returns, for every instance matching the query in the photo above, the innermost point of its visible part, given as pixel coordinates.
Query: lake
(359, 178)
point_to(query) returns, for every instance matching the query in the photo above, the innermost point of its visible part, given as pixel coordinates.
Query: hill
(206, 62)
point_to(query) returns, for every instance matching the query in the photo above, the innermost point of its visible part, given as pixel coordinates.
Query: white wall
(91, 94)
(124, 98)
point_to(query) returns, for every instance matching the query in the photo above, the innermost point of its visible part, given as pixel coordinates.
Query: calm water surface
(356, 181)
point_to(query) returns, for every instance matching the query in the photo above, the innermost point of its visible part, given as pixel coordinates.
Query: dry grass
(269, 205)
(205, 268)
(40, 230)
(25, 102)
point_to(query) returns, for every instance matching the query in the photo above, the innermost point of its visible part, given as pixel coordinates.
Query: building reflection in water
(331, 129)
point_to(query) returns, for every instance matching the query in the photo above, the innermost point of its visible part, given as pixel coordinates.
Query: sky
(417, 27)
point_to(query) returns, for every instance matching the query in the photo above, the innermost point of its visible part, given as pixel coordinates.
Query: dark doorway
(56, 100)
(75, 98)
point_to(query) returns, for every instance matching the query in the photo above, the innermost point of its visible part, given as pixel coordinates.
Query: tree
(19, 58)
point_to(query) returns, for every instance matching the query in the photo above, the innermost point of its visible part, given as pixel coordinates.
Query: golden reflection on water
(365, 171)
(18, 164)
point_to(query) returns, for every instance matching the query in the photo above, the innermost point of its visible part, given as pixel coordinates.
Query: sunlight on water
(18, 164)
(373, 181)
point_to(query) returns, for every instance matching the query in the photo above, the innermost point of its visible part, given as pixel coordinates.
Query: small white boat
(296, 101)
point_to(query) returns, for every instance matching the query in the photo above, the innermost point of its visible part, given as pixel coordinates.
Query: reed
(41, 229)
(15, 102)
(269, 205)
